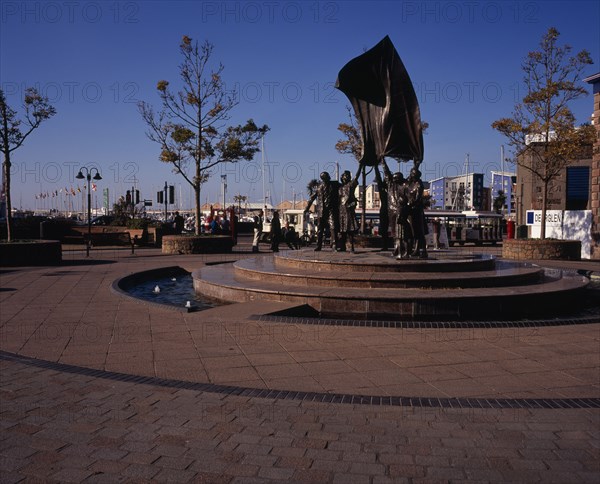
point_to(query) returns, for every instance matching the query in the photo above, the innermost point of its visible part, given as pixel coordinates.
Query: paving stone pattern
(62, 423)
(61, 427)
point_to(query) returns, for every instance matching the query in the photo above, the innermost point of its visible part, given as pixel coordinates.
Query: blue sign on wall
(530, 215)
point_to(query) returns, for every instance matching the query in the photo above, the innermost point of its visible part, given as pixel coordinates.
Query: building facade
(594, 80)
(437, 191)
(506, 182)
(571, 190)
(463, 192)
(371, 195)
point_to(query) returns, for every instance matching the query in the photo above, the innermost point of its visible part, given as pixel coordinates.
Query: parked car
(102, 220)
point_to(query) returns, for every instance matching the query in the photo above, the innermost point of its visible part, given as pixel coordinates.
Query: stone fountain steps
(376, 261)
(238, 283)
(277, 270)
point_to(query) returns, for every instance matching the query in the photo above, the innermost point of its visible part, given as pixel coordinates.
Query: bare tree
(14, 132)
(190, 127)
(542, 129)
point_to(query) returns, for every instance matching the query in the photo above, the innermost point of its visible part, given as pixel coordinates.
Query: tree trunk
(198, 160)
(544, 209)
(6, 167)
(198, 210)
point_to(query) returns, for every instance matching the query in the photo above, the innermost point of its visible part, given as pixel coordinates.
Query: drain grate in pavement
(501, 403)
(376, 323)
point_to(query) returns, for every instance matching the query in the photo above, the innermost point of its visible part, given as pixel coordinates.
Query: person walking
(276, 235)
(291, 238)
(225, 226)
(215, 227)
(258, 227)
(178, 223)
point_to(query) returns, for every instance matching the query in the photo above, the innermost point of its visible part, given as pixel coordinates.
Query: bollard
(510, 229)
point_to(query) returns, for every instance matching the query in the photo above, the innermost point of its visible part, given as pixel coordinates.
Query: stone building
(571, 190)
(595, 176)
(577, 187)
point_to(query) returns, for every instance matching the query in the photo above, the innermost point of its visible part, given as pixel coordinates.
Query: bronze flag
(384, 100)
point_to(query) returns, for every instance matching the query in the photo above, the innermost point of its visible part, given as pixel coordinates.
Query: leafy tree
(351, 144)
(14, 132)
(427, 200)
(239, 199)
(125, 213)
(190, 125)
(311, 187)
(542, 129)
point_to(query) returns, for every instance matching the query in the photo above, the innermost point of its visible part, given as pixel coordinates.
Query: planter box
(196, 244)
(31, 253)
(547, 249)
(155, 235)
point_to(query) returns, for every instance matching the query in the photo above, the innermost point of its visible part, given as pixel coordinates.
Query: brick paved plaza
(96, 387)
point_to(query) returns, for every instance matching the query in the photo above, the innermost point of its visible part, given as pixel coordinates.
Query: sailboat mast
(467, 191)
(262, 151)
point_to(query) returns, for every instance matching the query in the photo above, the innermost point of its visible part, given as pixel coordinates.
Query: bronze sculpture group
(387, 110)
(402, 211)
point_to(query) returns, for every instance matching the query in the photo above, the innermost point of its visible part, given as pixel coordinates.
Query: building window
(578, 187)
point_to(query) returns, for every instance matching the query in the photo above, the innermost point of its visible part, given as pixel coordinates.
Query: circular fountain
(372, 285)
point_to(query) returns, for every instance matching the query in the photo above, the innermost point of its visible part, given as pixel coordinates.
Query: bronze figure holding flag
(386, 107)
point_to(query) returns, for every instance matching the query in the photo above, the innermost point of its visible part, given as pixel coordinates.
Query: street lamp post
(88, 177)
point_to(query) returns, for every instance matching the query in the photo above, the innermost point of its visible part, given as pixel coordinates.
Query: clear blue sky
(96, 59)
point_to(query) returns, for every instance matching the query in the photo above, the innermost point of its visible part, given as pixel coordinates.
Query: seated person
(292, 239)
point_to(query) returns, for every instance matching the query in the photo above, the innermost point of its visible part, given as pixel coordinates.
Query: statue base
(371, 284)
